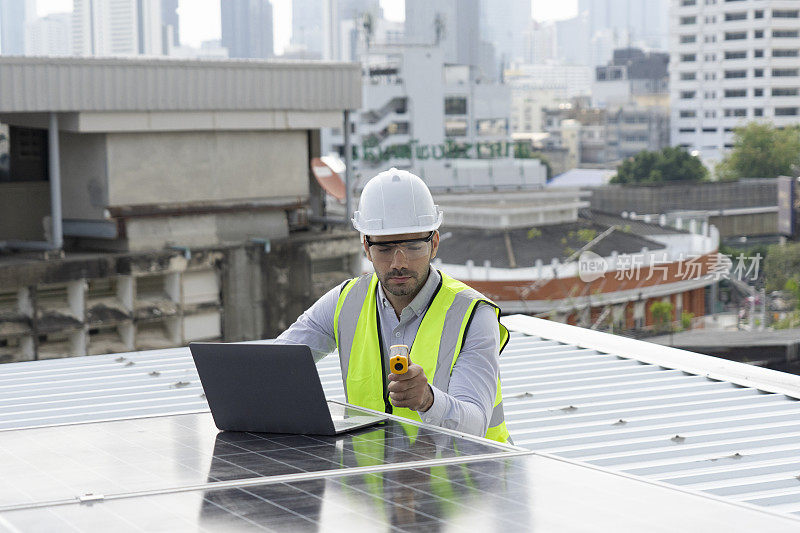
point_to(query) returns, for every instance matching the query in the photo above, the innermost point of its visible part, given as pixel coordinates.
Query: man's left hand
(411, 389)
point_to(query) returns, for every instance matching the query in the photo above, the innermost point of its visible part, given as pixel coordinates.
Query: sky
(200, 18)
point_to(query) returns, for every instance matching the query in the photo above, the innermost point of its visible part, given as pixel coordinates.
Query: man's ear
(434, 243)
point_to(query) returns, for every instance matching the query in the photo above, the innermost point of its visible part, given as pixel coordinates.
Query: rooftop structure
(148, 202)
(574, 265)
(608, 421)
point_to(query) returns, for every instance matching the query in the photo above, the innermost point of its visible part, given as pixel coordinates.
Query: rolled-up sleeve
(467, 404)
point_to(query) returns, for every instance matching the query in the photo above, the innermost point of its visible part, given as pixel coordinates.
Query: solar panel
(506, 493)
(57, 464)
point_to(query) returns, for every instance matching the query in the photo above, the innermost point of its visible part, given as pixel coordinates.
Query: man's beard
(402, 290)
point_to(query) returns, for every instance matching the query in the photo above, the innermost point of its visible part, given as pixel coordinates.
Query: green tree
(781, 265)
(671, 164)
(662, 315)
(762, 151)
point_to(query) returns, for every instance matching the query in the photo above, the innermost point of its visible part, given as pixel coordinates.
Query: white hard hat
(395, 202)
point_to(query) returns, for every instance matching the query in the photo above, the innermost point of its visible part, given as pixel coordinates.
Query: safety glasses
(411, 248)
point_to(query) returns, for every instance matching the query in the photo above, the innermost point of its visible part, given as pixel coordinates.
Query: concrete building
(116, 27)
(632, 77)
(247, 28)
(326, 28)
(152, 202)
(572, 80)
(50, 35)
(540, 43)
(435, 119)
(632, 22)
(170, 22)
(504, 24)
(526, 252)
(732, 62)
(307, 32)
(14, 15)
(453, 25)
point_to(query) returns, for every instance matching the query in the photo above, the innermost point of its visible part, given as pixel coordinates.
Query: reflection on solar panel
(605, 404)
(176, 473)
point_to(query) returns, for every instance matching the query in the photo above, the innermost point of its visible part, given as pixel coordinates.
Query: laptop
(270, 388)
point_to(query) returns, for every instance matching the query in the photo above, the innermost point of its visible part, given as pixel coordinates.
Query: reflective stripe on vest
(436, 346)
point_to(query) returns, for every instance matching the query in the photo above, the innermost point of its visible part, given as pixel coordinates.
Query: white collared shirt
(468, 402)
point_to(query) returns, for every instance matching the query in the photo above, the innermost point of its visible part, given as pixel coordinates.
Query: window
(759, 14)
(455, 105)
(455, 127)
(758, 53)
(735, 35)
(785, 91)
(710, 114)
(685, 3)
(735, 74)
(784, 72)
(709, 130)
(739, 112)
(758, 72)
(687, 95)
(686, 130)
(735, 93)
(739, 15)
(785, 52)
(736, 54)
(758, 34)
(688, 20)
(688, 39)
(786, 111)
(758, 92)
(688, 114)
(786, 34)
(758, 112)
(785, 13)
(492, 126)
(686, 76)
(688, 58)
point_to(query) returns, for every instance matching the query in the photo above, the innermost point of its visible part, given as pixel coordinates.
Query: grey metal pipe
(54, 160)
(348, 162)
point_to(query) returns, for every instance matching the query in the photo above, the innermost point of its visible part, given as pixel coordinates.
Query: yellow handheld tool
(398, 358)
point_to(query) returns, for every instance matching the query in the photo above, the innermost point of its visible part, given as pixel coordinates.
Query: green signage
(370, 151)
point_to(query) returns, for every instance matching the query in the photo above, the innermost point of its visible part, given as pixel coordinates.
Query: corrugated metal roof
(36, 84)
(685, 419)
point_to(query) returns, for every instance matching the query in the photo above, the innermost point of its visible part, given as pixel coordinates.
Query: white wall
(146, 168)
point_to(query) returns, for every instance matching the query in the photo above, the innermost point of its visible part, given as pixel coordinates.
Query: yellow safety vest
(436, 345)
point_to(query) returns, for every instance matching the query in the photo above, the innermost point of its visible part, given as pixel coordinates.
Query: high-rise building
(307, 30)
(453, 25)
(14, 14)
(504, 24)
(50, 35)
(732, 62)
(247, 28)
(639, 22)
(540, 43)
(170, 23)
(116, 27)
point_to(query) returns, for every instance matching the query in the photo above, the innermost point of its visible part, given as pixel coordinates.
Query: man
(453, 331)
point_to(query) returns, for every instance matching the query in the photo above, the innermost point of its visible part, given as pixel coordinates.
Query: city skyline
(200, 19)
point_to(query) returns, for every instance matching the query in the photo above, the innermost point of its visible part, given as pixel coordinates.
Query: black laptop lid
(270, 388)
